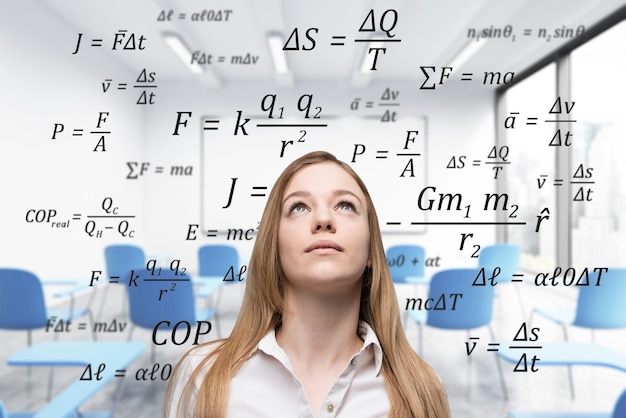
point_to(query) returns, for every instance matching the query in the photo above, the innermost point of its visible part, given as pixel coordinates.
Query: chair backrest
(405, 261)
(504, 256)
(602, 306)
(22, 302)
(121, 258)
(160, 297)
(217, 259)
(619, 411)
(472, 307)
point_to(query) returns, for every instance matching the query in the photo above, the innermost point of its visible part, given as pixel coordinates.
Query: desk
(570, 354)
(115, 355)
(417, 280)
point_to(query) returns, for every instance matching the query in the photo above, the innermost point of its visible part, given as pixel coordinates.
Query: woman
(319, 331)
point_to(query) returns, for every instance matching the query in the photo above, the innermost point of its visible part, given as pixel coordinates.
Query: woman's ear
(369, 263)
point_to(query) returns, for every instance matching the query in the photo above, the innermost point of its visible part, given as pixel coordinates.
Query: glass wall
(597, 136)
(598, 88)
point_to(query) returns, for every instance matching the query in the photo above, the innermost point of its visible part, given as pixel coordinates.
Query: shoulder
(181, 384)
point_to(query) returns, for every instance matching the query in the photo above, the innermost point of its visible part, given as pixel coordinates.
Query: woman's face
(323, 236)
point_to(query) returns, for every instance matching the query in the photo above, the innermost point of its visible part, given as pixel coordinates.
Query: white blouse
(266, 385)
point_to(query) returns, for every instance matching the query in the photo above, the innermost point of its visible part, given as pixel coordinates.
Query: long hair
(413, 388)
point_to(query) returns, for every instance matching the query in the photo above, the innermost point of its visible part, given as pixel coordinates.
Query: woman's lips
(324, 246)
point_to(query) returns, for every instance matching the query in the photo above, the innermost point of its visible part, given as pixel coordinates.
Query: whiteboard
(238, 171)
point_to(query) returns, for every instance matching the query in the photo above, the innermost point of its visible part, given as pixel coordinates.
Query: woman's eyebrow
(298, 193)
(341, 192)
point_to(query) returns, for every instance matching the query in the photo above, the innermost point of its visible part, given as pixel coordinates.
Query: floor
(472, 381)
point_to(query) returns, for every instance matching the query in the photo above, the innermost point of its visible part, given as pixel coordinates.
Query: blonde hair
(413, 388)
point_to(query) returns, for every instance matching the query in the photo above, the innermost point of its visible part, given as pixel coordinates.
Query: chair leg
(468, 393)
(217, 298)
(51, 374)
(93, 325)
(570, 372)
(564, 328)
(405, 319)
(50, 379)
(92, 297)
(103, 301)
(211, 304)
(519, 300)
(118, 396)
(406, 311)
(499, 366)
(502, 383)
(570, 377)
(29, 342)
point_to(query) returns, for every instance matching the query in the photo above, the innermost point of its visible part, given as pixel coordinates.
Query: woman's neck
(319, 335)
(319, 329)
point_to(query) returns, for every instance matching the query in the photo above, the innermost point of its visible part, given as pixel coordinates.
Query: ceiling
(431, 33)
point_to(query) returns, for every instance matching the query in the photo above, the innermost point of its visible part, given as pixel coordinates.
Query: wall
(64, 174)
(67, 176)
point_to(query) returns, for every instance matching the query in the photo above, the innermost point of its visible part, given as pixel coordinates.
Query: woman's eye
(345, 206)
(297, 208)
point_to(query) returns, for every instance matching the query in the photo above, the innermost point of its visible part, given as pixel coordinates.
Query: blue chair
(474, 309)
(598, 307)
(23, 306)
(503, 256)
(215, 260)
(619, 411)
(119, 260)
(406, 264)
(502, 261)
(163, 298)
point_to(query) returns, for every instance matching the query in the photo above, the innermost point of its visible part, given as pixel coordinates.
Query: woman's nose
(323, 222)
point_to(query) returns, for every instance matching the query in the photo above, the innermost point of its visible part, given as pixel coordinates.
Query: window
(598, 88)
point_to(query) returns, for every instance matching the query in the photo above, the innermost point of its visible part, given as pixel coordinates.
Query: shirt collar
(269, 345)
(371, 340)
